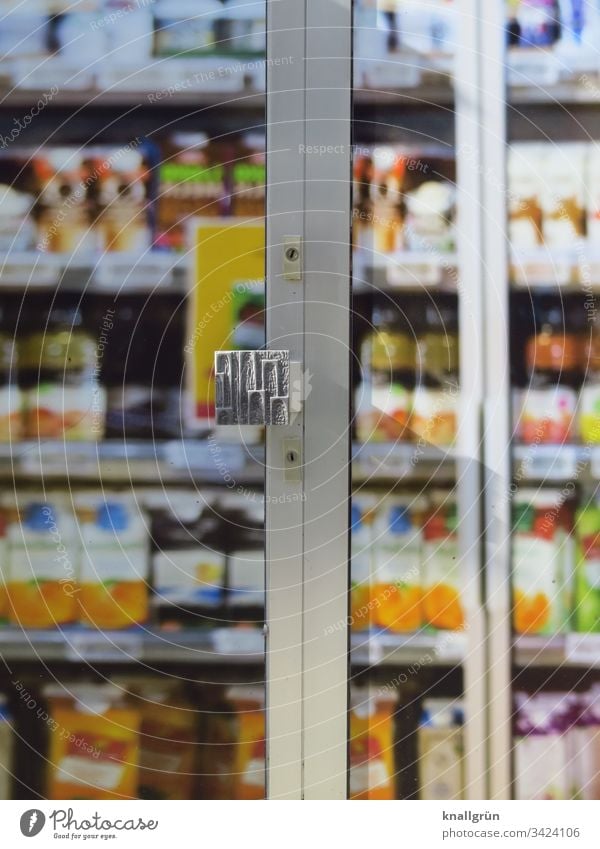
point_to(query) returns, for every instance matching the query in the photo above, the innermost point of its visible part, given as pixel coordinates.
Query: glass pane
(552, 163)
(132, 550)
(408, 619)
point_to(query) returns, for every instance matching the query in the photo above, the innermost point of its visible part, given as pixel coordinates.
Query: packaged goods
(361, 564)
(248, 177)
(397, 584)
(563, 195)
(93, 743)
(592, 183)
(189, 564)
(542, 769)
(440, 748)
(435, 403)
(246, 562)
(248, 763)
(122, 222)
(372, 764)
(442, 583)
(43, 563)
(62, 397)
(17, 231)
(545, 410)
(584, 745)
(11, 427)
(114, 582)
(525, 195)
(7, 745)
(4, 573)
(589, 397)
(587, 592)
(543, 558)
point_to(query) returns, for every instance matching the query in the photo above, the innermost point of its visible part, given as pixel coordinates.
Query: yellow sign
(226, 307)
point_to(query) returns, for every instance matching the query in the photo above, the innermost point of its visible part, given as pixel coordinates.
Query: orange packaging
(43, 564)
(115, 561)
(442, 585)
(93, 745)
(249, 758)
(372, 767)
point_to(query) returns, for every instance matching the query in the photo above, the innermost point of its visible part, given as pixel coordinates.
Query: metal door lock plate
(252, 387)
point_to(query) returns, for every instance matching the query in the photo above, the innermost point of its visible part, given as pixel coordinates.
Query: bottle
(545, 409)
(435, 406)
(440, 746)
(114, 583)
(58, 374)
(7, 744)
(397, 591)
(43, 564)
(388, 360)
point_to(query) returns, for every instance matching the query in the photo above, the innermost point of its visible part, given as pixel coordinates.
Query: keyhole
(292, 254)
(291, 457)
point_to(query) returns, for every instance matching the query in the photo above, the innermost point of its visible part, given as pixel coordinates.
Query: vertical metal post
(308, 196)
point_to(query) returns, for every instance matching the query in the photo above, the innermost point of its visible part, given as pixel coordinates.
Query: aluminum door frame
(309, 79)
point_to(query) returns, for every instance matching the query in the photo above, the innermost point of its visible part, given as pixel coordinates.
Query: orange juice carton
(442, 583)
(440, 747)
(115, 562)
(396, 593)
(167, 740)
(93, 743)
(538, 570)
(249, 758)
(43, 563)
(361, 565)
(372, 767)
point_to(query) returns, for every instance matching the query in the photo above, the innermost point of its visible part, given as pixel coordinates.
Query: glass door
(418, 682)
(132, 532)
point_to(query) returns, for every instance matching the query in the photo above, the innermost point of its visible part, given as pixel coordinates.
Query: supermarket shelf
(216, 646)
(174, 461)
(556, 462)
(408, 271)
(569, 650)
(400, 461)
(575, 269)
(151, 271)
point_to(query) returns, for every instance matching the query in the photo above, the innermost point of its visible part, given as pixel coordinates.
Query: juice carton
(249, 750)
(587, 580)
(94, 744)
(396, 592)
(538, 580)
(168, 738)
(361, 612)
(442, 585)
(372, 767)
(43, 564)
(584, 747)
(440, 746)
(115, 562)
(541, 746)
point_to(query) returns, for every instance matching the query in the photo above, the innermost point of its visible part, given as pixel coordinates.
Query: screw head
(292, 254)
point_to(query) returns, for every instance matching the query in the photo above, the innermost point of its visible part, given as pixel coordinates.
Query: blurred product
(43, 563)
(545, 410)
(11, 422)
(246, 564)
(4, 573)
(248, 177)
(188, 563)
(17, 231)
(543, 567)
(248, 762)
(442, 581)
(563, 195)
(62, 398)
(589, 398)
(388, 359)
(248, 316)
(542, 752)
(192, 182)
(94, 740)
(114, 580)
(7, 746)
(372, 763)
(587, 592)
(440, 749)
(539, 22)
(397, 584)
(64, 211)
(361, 557)
(435, 403)
(122, 202)
(525, 184)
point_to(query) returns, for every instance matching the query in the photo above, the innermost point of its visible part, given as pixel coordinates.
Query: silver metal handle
(252, 387)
